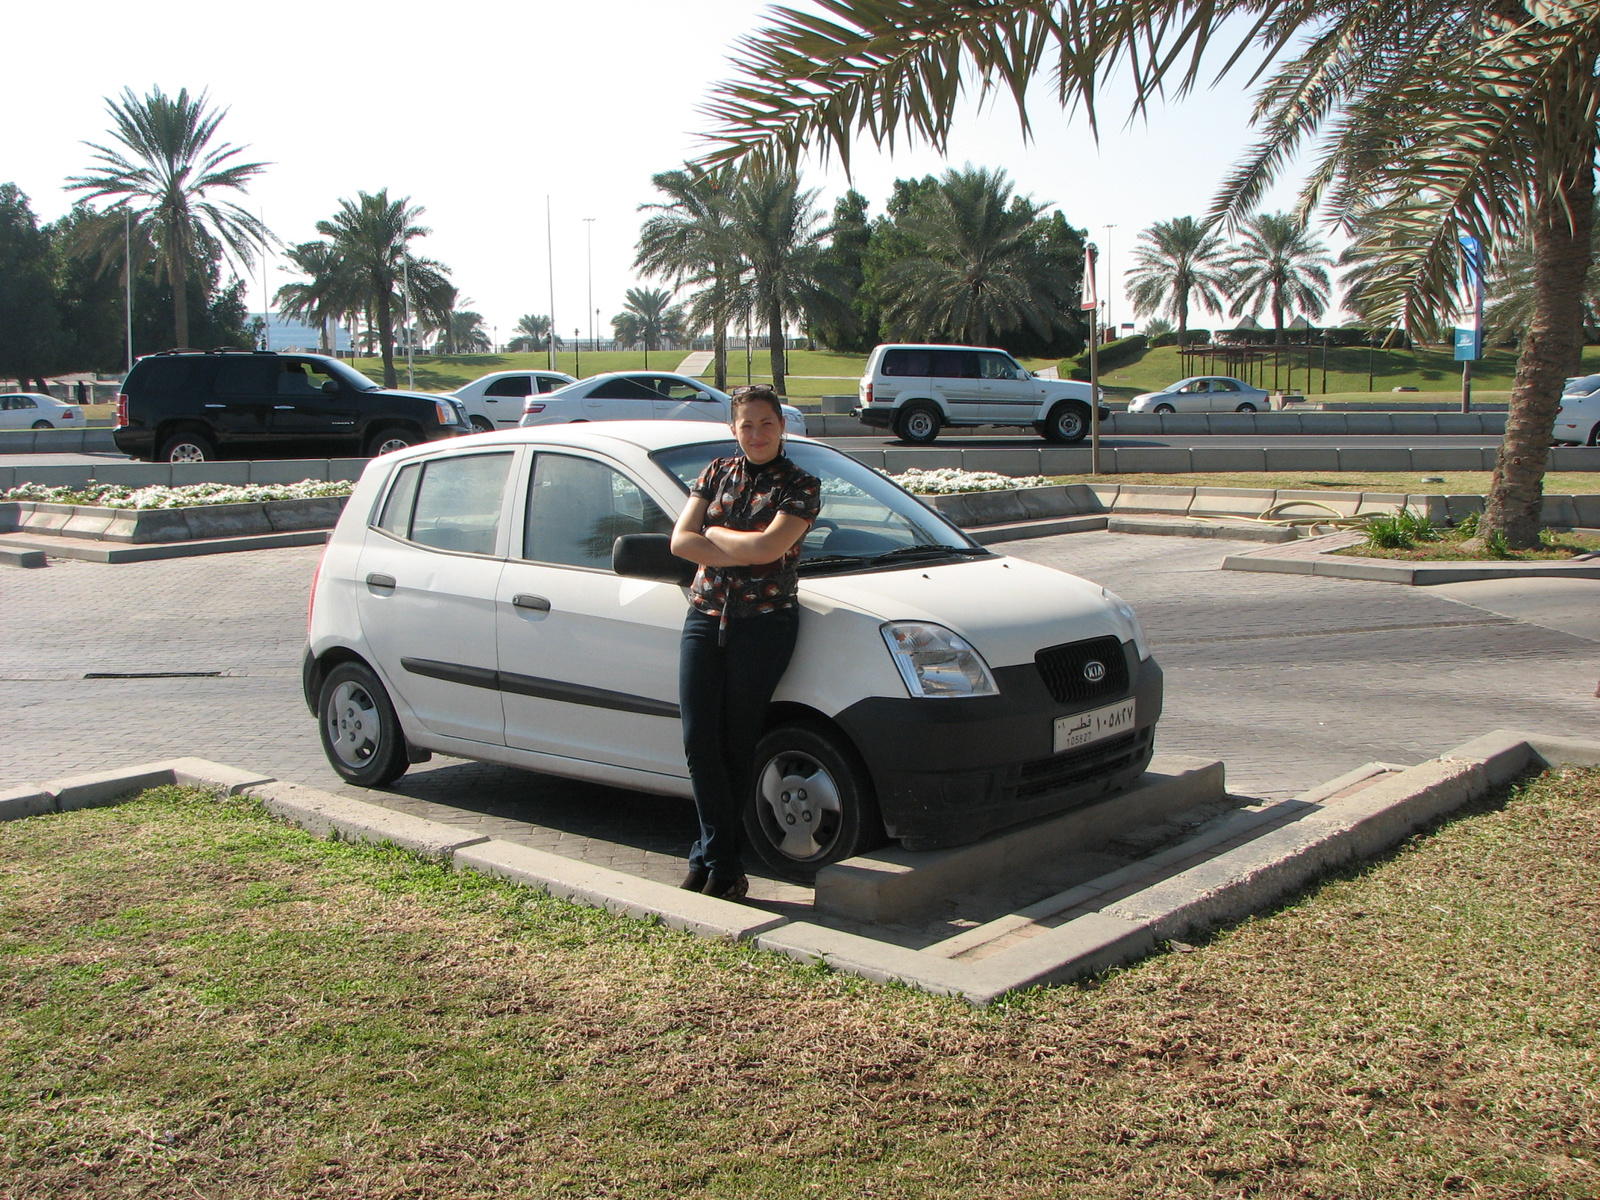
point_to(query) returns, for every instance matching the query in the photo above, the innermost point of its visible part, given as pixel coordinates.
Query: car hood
(1008, 608)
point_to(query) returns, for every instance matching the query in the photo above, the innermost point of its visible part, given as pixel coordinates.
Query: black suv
(191, 406)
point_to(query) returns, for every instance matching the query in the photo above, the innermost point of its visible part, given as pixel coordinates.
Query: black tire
(1067, 424)
(1163, 410)
(43, 425)
(187, 446)
(482, 425)
(812, 803)
(360, 733)
(1249, 408)
(386, 441)
(917, 424)
(1594, 435)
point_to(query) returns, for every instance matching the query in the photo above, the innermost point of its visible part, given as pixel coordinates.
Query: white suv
(1578, 418)
(917, 390)
(511, 598)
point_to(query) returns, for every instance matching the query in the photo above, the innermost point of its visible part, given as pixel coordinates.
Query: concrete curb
(1268, 424)
(1324, 829)
(1418, 574)
(1197, 527)
(196, 522)
(37, 549)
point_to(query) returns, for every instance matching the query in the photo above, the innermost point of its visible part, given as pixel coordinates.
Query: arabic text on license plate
(1082, 728)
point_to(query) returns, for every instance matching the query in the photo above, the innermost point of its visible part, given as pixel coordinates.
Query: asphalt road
(1290, 680)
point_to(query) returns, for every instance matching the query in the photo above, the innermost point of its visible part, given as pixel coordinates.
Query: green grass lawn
(198, 1001)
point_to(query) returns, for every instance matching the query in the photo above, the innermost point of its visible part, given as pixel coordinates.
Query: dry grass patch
(195, 1000)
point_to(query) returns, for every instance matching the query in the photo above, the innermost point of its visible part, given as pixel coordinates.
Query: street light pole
(1110, 323)
(127, 278)
(550, 263)
(405, 284)
(588, 226)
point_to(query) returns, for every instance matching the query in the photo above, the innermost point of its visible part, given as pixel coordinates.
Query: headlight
(936, 663)
(1135, 630)
(446, 414)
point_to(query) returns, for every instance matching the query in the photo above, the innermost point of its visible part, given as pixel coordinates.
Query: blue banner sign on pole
(1469, 338)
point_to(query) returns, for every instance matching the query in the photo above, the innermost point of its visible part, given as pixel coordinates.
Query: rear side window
(247, 377)
(954, 364)
(549, 383)
(577, 507)
(511, 385)
(623, 389)
(450, 503)
(902, 363)
(162, 376)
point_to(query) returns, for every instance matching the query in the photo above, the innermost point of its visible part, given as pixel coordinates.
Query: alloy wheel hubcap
(186, 452)
(919, 424)
(393, 444)
(353, 725)
(800, 804)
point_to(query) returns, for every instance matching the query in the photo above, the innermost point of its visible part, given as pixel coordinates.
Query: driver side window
(578, 507)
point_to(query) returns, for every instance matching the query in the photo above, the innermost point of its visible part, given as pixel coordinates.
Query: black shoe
(727, 887)
(695, 880)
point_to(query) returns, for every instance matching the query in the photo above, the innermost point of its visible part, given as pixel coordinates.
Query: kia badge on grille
(1094, 671)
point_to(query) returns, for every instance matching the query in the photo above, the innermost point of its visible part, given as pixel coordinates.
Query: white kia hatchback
(511, 598)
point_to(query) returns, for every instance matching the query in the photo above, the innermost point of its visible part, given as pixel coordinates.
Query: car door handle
(216, 406)
(282, 407)
(537, 603)
(379, 580)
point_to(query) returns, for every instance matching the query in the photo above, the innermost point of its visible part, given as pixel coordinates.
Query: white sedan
(495, 401)
(1203, 393)
(34, 410)
(1578, 418)
(641, 396)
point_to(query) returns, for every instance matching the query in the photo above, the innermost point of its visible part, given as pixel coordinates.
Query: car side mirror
(330, 386)
(702, 395)
(650, 556)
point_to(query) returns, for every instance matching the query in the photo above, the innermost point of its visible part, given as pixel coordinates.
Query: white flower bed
(947, 481)
(110, 495)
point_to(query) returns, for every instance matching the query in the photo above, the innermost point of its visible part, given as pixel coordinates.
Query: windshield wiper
(908, 552)
(831, 560)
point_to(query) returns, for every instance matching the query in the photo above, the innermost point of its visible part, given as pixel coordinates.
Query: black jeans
(723, 692)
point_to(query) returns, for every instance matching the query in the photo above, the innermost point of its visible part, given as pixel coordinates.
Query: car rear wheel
(1067, 423)
(43, 425)
(482, 424)
(187, 446)
(1249, 408)
(360, 733)
(1164, 410)
(917, 424)
(812, 803)
(387, 441)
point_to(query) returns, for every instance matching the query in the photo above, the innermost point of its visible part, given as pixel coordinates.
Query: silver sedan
(34, 410)
(1203, 393)
(641, 396)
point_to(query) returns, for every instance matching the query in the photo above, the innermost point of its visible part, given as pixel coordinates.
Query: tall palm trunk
(1563, 224)
(386, 338)
(1183, 318)
(719, 354)
(179, 276)
(780, 357)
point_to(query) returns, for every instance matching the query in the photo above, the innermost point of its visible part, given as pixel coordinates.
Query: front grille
(1061, 771)
(1061, 668)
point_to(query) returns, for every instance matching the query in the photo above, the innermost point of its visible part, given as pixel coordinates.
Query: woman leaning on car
(743, 524)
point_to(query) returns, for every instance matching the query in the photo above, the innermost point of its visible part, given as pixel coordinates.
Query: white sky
(478, 111)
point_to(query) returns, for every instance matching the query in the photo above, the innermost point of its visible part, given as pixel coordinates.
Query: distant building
(292, 335)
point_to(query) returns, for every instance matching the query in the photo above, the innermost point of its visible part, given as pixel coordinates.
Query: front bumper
(947, 772)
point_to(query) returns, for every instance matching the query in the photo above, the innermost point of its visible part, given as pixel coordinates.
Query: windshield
(347, 375)
(864, 516)
(1586, 385)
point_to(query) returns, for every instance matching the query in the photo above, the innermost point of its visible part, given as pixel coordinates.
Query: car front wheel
(813, 802)
(1594, 436)
(360, 733)
(1067, 423)
(1164, 410)
(387, 441)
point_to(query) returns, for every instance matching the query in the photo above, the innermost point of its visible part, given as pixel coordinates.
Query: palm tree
(372, 236)
(1426, 120)
(330, 294)
(162, 172)
(532, 333)
(1177, 261)
(650, 317)
(462, 332)
(1510, 307)
(691, 240)
(777, 229)
(1279, 266)
(978, 272)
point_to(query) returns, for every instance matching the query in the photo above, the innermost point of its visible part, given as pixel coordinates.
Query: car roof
(648, 436)
(934, 346)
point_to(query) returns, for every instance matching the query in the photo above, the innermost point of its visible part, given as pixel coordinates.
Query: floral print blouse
(748, 497)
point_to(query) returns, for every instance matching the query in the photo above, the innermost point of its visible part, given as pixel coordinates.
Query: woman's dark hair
(754, 393)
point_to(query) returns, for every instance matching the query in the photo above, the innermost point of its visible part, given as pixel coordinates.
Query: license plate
(1082, 728)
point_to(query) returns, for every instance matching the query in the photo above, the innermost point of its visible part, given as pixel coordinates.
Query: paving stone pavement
(1291, 680)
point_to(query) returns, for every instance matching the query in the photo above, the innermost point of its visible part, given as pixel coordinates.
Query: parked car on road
(641, 396)
(511, 598)
(1203, 393)
(193, 406)
(1578, 418)
(918, 390)
(495, 401)
(35, 410)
